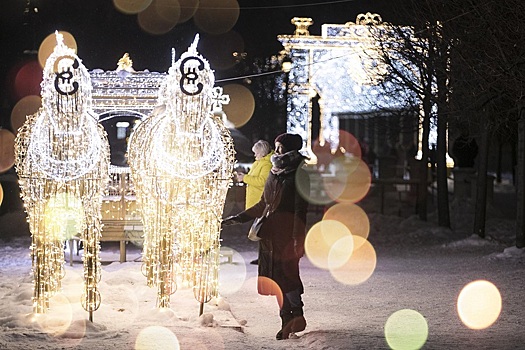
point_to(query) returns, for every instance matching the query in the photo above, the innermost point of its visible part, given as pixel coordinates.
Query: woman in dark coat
(283, 233)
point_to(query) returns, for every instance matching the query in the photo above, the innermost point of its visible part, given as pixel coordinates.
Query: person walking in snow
(282, 234)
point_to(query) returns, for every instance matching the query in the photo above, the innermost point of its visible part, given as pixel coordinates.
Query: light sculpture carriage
(183, 159)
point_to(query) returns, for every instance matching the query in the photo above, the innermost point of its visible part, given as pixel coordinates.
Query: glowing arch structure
(339, 66)
(120, 93)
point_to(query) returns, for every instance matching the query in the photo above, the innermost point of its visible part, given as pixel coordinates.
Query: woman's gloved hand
(230, 220)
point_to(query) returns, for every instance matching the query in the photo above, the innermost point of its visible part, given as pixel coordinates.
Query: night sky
(104, 34)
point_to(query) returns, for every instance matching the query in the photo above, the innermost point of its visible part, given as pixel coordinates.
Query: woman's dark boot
(298, 322)
(284, 333)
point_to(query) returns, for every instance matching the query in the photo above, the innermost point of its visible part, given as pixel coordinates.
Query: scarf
(286, 163)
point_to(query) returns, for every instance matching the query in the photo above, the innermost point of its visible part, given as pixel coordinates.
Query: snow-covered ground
(420, 267)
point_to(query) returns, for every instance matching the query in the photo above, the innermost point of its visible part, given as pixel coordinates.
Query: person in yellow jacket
(256, 177)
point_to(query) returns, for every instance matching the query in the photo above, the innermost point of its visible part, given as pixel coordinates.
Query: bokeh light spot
(321, 238)
(156, 337)
(25, 107)
(479, 304)
(7, 150)
(168, 10)
(232, 276)
(216, 16)
(351, 182)
(406, 330)
(352, 216)
(1, 195)
(348, 146)
(64, 216)
(47, 46)
(159, 18)
(267, 286)
(310, 185)
(58, 318)
(360, 265)
(340, 252)
(130, 7)
(24, 79)
(241, 106)
(187, 9)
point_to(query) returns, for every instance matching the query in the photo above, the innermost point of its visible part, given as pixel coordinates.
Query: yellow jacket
(256, 178)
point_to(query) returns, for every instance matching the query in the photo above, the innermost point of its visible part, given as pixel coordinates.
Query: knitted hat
(290, 142)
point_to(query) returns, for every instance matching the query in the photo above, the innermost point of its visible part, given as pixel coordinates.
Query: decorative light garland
(62, 159)
(181, 159)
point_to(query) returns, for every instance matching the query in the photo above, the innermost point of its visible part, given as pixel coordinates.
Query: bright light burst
(64, 216)
(321, 239)
(479, 304)
(406, 330)
(62, 158)
(181, 159)
(156, 337)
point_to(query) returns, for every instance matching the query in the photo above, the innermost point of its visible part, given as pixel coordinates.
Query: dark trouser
(291, 314)
(292, 303)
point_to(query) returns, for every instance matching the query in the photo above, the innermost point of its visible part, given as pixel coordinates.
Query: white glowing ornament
(181, 158)
(62, 158)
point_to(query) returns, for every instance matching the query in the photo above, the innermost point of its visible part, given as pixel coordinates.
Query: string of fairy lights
(181, 159)
(181, 177)
(62, 157)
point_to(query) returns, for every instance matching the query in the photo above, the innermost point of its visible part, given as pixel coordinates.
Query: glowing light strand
(181, 158)
(62, 158)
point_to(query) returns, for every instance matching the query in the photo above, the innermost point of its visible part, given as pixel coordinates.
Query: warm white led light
(181, 159)
(62, 158)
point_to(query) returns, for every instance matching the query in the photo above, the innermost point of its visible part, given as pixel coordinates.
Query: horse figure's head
(65, 140)
(66, 89)
(188, 142)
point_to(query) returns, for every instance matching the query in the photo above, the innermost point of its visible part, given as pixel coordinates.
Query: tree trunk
(441, 174)
(441, 156)
(498, 160)
(423, 173)
(481, 187)
(520, 208)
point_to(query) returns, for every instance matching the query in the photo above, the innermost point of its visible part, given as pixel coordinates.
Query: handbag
(253, 233)
(254, 229)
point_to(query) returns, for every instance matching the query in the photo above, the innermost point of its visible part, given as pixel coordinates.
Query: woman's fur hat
(291, 142)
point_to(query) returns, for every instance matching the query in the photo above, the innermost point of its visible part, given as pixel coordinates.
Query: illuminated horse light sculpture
(62, 159)
(181, 159)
